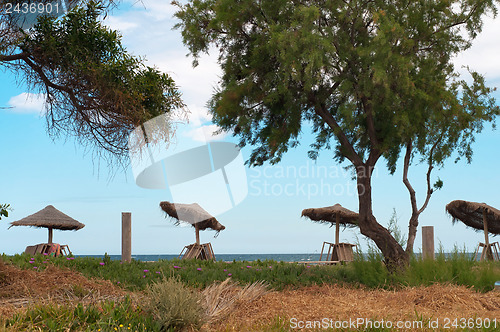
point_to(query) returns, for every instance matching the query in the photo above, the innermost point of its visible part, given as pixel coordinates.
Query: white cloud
(483, 55)
(198, 115)
(120, 24)
(159, 9)
(205, 134)
(148, 33)
(27, 103)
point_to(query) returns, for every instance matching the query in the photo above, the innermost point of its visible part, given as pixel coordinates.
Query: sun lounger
(198, 251)
(54, 249)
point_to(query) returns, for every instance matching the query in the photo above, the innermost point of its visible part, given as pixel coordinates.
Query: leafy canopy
(4, 210)
(95, 91)
(371, 74)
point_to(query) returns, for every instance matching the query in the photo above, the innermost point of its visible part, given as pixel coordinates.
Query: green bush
(173, 304)
(104, 316)
(4, 210)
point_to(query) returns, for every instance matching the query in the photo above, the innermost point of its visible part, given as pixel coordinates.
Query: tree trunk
(415, 211)
(412, 232)
(395, 255)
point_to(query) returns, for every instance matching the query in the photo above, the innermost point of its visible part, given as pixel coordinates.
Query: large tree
(369, 76)
(94, 90)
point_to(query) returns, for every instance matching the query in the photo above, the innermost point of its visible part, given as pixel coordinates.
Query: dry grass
(342, 303)
(19, 288)
(221, 298)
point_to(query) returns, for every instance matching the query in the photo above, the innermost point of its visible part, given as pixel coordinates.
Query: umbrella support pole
(485, 222)
(197, 233)
(337, 229)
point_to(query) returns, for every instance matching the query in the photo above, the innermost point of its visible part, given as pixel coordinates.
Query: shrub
(173, 304)
(103, 316)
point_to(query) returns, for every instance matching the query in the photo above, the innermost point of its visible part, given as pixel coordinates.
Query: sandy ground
(436, 306)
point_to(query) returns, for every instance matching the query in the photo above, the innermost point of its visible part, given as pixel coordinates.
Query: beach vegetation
(104, 316)
(367, 270)
(186, 294)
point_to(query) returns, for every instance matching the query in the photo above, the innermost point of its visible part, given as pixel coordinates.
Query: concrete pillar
(428, 242)
(126, 237)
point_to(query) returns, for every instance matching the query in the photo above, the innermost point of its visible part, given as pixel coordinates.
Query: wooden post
(337, 230)
(50, 235)
(126, 237)
(428, 242)
(197, 233)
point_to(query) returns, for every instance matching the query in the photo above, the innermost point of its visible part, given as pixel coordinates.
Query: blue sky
(36, 171)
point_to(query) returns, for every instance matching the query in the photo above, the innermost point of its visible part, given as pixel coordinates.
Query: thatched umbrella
(334, 215)
(193, 214)
(50, 218)
(479, 216)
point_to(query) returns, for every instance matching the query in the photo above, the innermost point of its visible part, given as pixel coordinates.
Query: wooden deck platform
(318, 262)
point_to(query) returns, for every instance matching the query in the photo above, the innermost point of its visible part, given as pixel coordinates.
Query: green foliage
(367, 269)
(4, 210)
(393, 228)
(457, 267)
(438, 184)
(95, 90)
(371, 74)
(105, 316)
(174, 305)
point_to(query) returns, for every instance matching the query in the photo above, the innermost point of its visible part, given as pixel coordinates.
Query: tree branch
(49, 83)
(406, 166)
(13, 57)
(430, 191)
(344, 141)
(463, 21)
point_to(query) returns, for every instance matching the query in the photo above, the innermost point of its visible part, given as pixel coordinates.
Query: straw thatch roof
(329, 214)
(471, 214)
(49, 217)
(193, 214)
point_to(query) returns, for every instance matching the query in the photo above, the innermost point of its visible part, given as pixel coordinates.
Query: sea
(235, 257)
(225, 257)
